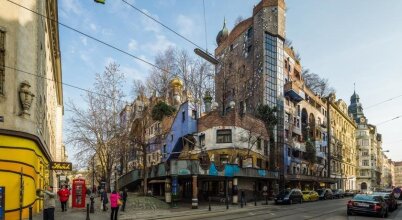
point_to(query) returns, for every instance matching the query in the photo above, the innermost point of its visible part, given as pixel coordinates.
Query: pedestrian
(64, 194)
(114, 205)
(49, 203)
(105, 200)
(124, 197)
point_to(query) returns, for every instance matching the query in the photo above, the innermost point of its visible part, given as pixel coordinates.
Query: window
(258, 144)
(249, 48)
(183, 116)
(164, 151)
(224, 158)
(365, 153)
(194, 114)
(249, 32)
(2, 60)
(202, 140)
(224, 136)
(259, 163)
(365, 163)
(266, 148)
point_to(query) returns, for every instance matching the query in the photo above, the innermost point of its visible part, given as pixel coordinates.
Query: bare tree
(238, 20)
(95, 130)
(318, 85)
(139, 88)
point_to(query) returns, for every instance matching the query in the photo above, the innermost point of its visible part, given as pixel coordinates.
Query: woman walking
(64, 194)
(114, 205)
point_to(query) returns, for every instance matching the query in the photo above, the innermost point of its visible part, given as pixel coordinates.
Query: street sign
(61, 166)
(2, 201)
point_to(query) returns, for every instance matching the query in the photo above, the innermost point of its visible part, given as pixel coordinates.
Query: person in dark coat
(105, 200)
(124, 197)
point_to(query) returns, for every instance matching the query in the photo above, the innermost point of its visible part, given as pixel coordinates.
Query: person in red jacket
(114, 205)
(64, 194)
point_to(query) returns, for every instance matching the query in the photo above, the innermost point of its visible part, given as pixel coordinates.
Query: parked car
(389, 199)
(338, 193)
(310, 196)
(324, 194)
(367, 204)
(350, 192)
(289, 196)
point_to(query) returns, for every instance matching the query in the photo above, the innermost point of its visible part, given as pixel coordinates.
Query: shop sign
(61, 166)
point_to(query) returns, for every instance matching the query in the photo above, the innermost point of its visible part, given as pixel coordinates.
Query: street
(329, 209)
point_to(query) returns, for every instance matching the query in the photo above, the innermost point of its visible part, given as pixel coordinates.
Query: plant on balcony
(161, 110)
(268, 116)
(310, 154)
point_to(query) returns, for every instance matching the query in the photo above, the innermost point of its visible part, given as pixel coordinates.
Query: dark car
(389, 199)
(338, 193)
(325, 194)
(368, 204)
(350, 192)
(289, 196)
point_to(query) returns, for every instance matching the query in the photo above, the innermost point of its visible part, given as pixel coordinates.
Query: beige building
(31, 102)
(343, 144)
(398, 174)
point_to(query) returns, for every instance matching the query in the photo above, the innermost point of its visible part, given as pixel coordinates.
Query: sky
(345, 41)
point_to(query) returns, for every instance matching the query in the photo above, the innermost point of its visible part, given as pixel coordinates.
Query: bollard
(209, 203)
(87, 212)
(30, 212)
(92, 208)
(255, 200)
(266, 200)
(227, 202)
(241, 200)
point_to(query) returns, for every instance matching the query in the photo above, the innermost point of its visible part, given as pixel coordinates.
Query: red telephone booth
(79, 193)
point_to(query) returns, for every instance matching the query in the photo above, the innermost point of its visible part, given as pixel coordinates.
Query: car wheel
(386, 213)
(301, 201)
(349, 212)
(290, 201)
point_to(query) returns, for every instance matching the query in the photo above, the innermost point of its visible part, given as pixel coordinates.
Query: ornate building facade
(343, 144)
(369, 148)
(31, 105)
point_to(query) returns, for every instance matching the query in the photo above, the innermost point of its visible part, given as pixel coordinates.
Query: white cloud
(132, 45)
(186, 25)
(92, 26)
(161, 44)
(71, 6)
(84, 40)
(149, 24)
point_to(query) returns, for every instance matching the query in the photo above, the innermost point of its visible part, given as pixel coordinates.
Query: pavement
(148, 208)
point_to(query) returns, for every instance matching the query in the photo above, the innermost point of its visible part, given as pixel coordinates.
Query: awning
(157, 181)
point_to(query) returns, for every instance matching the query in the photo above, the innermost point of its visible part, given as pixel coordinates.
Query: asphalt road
(329, 209)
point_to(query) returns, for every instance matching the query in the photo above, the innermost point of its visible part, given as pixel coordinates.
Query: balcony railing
(299, 177)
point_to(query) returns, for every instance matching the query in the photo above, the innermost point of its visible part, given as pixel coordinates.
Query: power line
(384, 101)
(90, 37)
(397, 117)
(66, 84)
(165, 26)
(205, 27)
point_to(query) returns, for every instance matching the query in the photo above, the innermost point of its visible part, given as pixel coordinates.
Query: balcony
(293, 92)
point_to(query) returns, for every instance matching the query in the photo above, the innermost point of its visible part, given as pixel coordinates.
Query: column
(194, 201)
(235, 191)
(168, 193)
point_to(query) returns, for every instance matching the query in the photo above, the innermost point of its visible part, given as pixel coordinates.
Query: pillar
(194, 201)
(168, 193)
(235, 191)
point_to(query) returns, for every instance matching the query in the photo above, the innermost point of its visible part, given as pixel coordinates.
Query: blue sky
(342, 40)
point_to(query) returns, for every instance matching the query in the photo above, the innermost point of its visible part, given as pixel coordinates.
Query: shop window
(259, 163)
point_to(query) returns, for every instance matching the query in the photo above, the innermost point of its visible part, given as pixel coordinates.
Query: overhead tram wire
(66, 84)
(90, 37)
(371, 106)
(165, 26)
(397, 117)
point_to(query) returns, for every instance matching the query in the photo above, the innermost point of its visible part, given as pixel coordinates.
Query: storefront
(24, 168)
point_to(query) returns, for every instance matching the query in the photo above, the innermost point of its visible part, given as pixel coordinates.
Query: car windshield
(306, 192)
(284, 192)
(364, 197)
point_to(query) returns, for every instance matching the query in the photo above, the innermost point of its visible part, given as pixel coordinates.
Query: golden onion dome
(176, 82)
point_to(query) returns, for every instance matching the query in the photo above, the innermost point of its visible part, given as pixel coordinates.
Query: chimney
(207, 101)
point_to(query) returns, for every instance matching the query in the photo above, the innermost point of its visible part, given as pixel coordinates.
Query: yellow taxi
(310, 196)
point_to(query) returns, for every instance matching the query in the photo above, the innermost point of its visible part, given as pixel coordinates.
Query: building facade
(31, 103)
(257, 67)
(369, 148)
(398, 174)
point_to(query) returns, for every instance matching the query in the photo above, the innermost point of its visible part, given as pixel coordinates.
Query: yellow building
(343, 151)
(31, 103)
